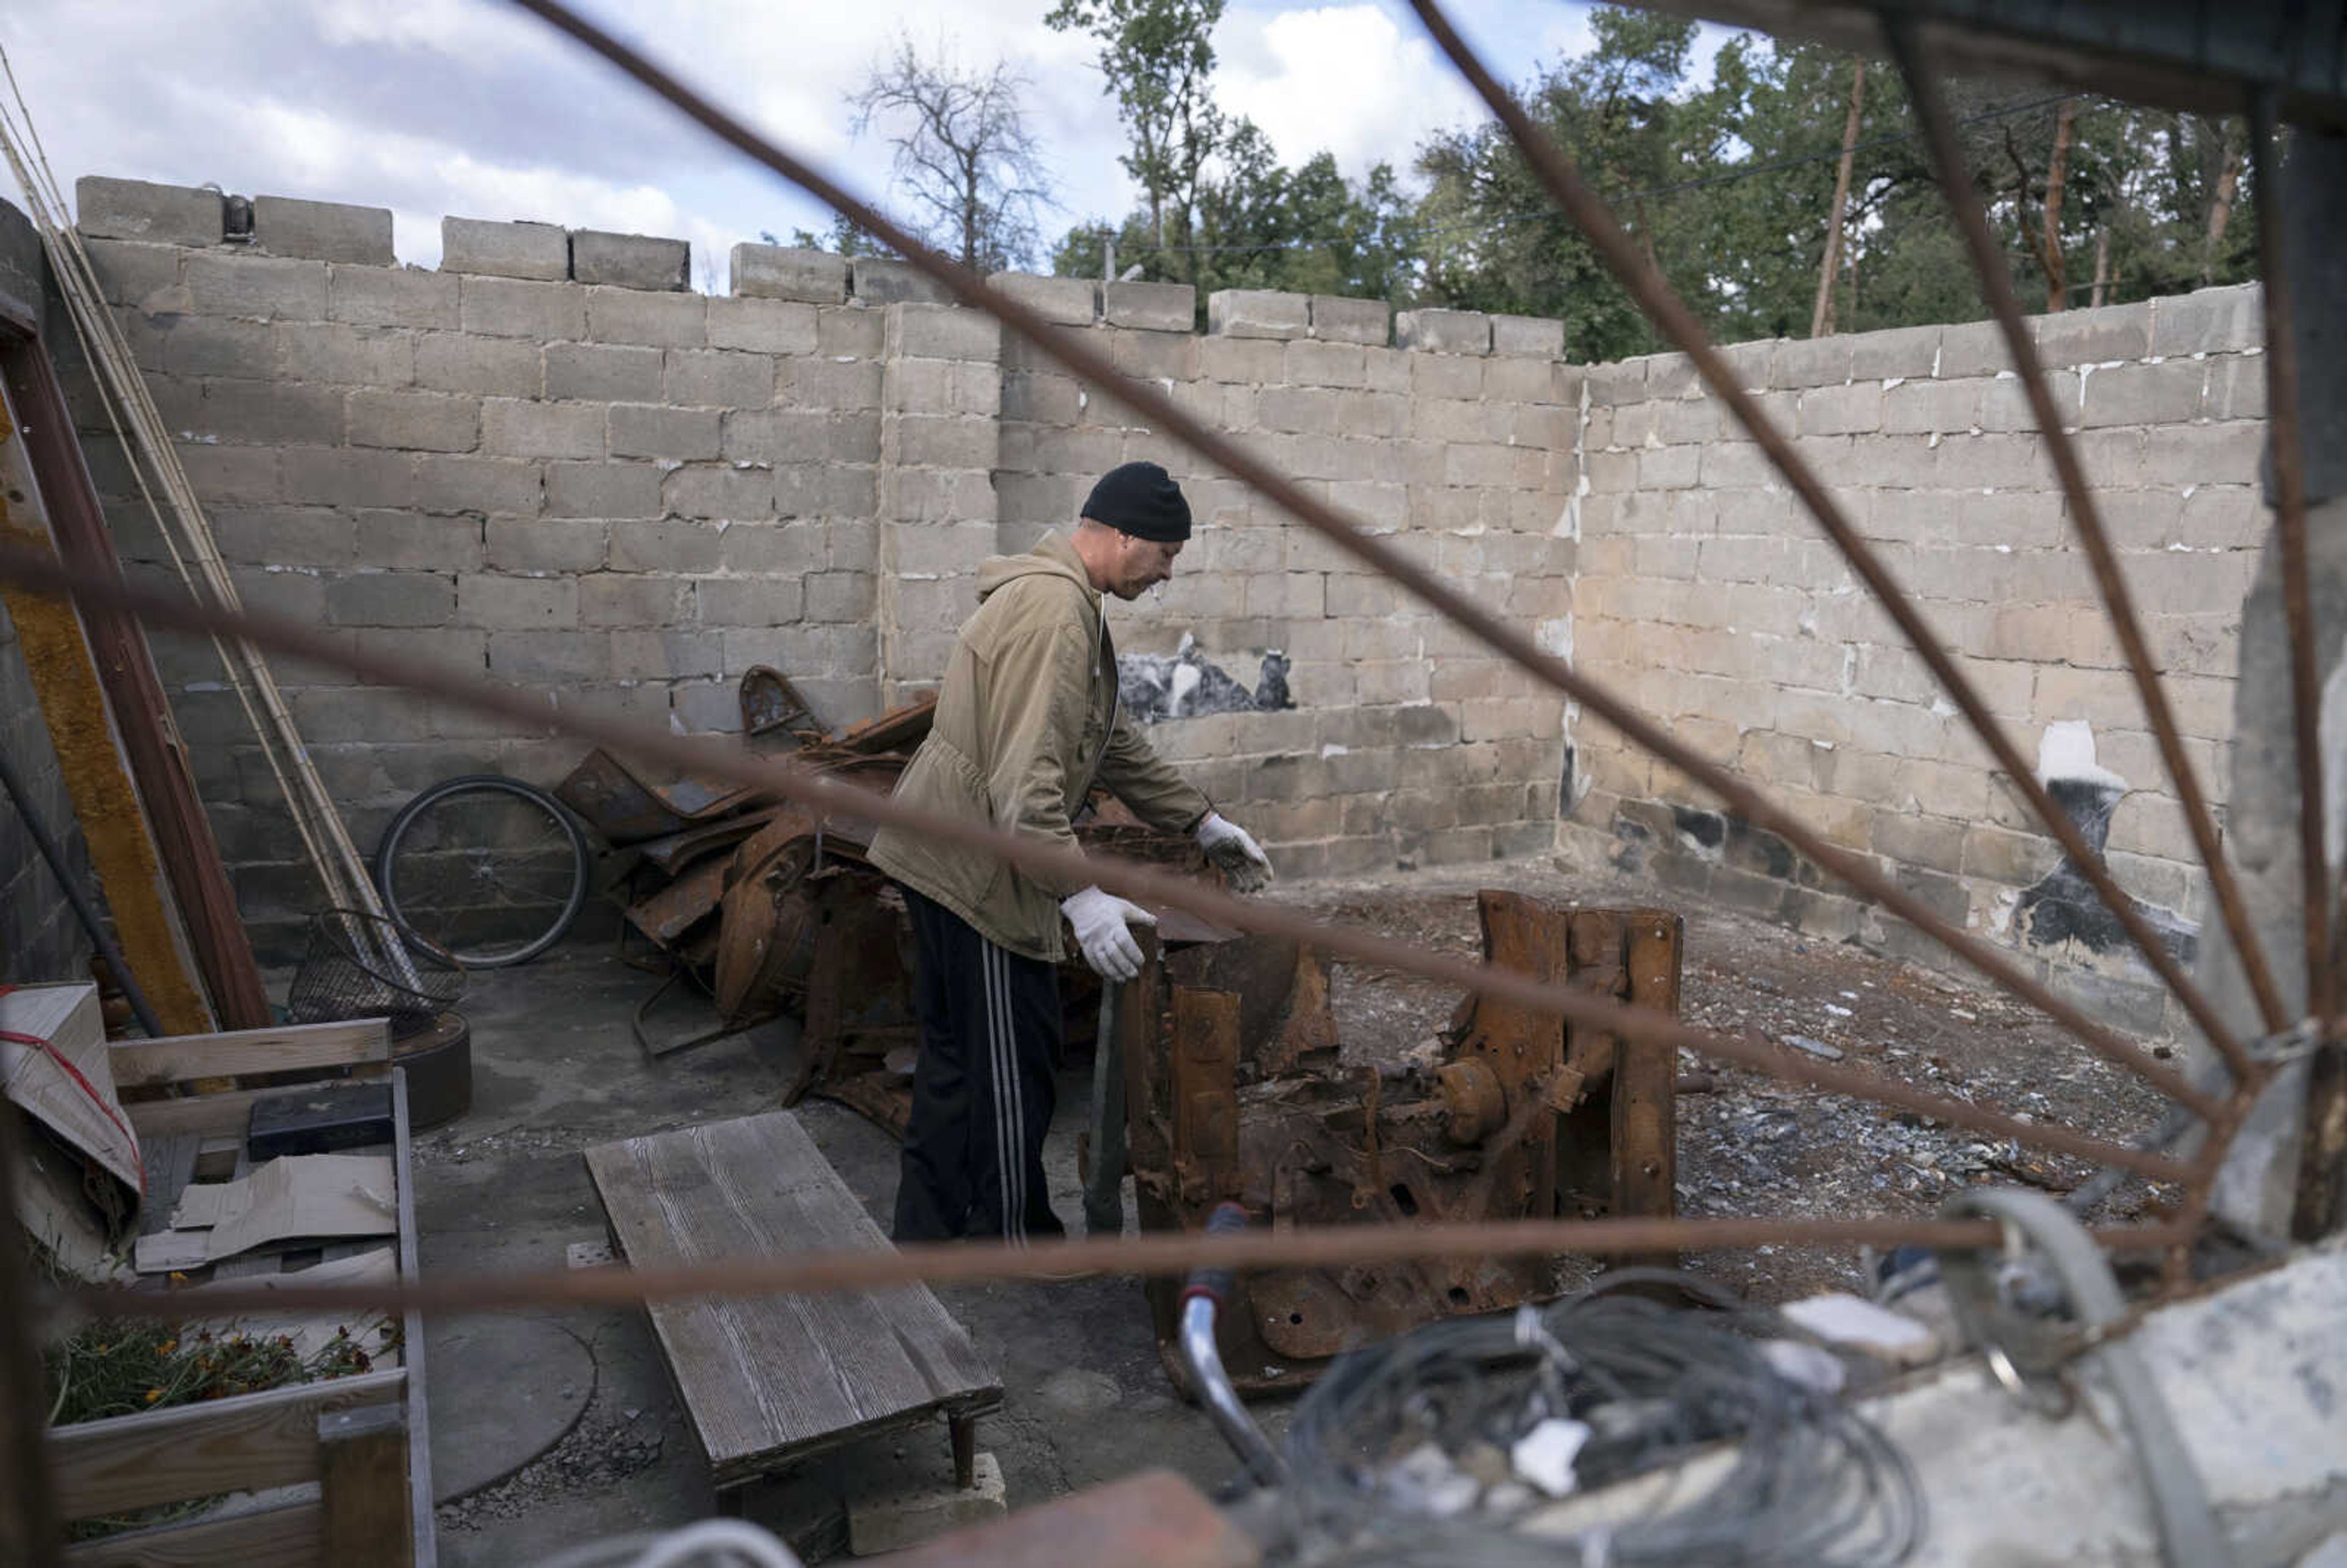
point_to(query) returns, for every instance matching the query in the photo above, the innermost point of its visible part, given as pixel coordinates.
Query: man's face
(1140, 565)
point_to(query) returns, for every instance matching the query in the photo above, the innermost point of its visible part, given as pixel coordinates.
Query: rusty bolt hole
(1405, 1200)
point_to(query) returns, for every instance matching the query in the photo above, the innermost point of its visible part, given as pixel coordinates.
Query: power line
(1726, 176)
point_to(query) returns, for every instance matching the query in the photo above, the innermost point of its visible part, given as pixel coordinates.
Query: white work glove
(1100, 919)
(1234, 851)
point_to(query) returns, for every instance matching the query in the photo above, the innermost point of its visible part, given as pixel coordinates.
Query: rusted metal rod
(1628, 263)
(1504, 638)
(1997, 285)
(1156, 1254)
(729, 760)
(2289, 529)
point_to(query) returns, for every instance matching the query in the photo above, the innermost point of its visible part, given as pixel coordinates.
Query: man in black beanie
(1025, 723)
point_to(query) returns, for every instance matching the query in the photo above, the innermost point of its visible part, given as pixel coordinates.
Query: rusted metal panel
(669, 913)
(625, 808)
(771, 703)
(1645, 1081)
(1515, 1122)
(158, 761)
(114, 824)
(899, 730)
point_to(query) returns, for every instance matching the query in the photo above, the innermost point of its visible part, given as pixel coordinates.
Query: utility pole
(1821, 319)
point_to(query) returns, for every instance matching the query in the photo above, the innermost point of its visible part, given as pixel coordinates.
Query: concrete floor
(505, 1188)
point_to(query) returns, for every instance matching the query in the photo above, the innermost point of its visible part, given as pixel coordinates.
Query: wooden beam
(126, 668)
(363, 1487)
(240, 1444)
(184, 1058)
(423, 1540)
(285, 1537)
(226, 1115)
(122, 850)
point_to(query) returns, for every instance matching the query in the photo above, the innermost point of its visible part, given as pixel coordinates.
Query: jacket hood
(1053, 555)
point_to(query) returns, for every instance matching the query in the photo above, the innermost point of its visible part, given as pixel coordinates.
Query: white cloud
(1345, 80)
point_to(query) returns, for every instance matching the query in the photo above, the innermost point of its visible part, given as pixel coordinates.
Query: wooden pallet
(357, 1449)
(767, 1381)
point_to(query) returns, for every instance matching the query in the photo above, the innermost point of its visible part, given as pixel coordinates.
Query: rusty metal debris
(1237, 1086)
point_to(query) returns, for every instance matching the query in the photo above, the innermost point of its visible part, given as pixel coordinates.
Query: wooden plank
(773, 1377)
(1645, 1083)
(126, 668)
(245, 1443)
(363, 1488)
(64, 679)
(282, 1537)
(171, 1162)
(422, 1533)
(289, 1048)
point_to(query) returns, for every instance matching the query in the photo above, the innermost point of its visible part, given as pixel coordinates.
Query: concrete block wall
(1408, 744)
(548, 462)
(1709, 597)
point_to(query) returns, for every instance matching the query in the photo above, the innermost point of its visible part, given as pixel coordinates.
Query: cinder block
(415, 421)
(749, 602)
(1852, 409)
(631, 260)
(877, 280)
(1340, 320)
(781, 272)
(411, 542)
(1894, 352)
(1258, 313)
(633, 599)
(603, 373)
(523, 427)
(2153, 394)
(265, 288)
(2207, 321)
(945, 332)
(540, 250)
(1443, 331)
(2094, 336)
(463, 362)
(1072, 302)
(601, 489)
(317, 351)
(517, 603)
(665, 545)
(391, 598)
(1536, 337)
(450, 483)
(660, 320)
(261, 414)
(1154, 307)
(511, 307)
(733, 494)
(652, 430)
(391, 297)
(200, 347)
(323, 231)
(551, 657)
(719, 378)
(762, 326)
(137, 210)
(542, 545)
(129, 272)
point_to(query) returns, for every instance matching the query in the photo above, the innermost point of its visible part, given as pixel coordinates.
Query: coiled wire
(1813, 1484)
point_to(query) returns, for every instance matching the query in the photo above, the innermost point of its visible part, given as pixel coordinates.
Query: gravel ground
(1755, 1145)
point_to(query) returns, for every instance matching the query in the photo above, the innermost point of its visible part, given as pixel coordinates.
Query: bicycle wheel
(490, 868)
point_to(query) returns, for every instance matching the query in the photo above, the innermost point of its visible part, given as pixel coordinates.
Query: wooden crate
(349, 1458)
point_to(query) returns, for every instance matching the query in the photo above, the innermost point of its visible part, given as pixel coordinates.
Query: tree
(1158, 56)
(966, 163)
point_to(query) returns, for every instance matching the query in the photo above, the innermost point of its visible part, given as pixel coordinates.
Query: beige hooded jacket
(1027, 723)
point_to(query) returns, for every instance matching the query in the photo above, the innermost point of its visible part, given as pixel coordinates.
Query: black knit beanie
(1140, 499)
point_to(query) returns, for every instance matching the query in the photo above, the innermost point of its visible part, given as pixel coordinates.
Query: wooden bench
(768, 1381)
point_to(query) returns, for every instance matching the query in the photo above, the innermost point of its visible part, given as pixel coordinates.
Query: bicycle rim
(490, 868)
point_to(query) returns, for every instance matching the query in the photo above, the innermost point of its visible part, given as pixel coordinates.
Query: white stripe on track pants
(982, 1087)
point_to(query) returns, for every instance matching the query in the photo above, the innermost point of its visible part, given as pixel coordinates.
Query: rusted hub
(1478, 1105)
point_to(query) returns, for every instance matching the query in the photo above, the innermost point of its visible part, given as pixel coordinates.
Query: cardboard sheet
(300, 1196)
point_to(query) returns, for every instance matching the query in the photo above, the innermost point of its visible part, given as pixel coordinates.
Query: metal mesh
(359, 966)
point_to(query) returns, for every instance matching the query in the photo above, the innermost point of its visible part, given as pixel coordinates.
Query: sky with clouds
(469, 107)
